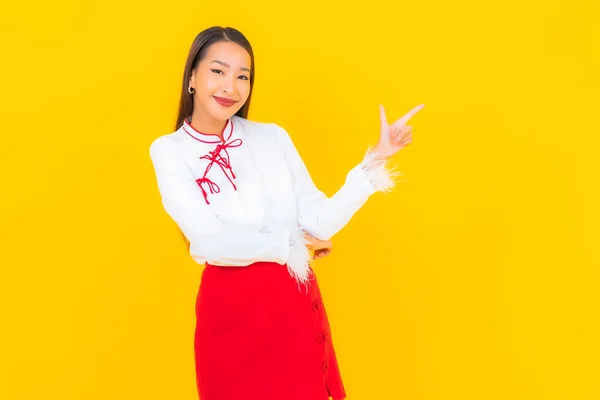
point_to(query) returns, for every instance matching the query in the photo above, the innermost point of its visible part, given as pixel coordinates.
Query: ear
(192, 81)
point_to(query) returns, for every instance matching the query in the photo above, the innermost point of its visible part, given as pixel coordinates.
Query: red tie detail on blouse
(223, 162)
(215, 156)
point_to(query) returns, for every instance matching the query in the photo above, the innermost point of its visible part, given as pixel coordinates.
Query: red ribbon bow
(223, 162)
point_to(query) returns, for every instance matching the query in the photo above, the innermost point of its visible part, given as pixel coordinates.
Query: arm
(211, 240)
(323, 216)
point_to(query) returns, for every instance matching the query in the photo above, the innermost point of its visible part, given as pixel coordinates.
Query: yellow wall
(477, 278)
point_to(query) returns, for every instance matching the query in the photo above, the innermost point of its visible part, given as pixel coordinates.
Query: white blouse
(251, 197)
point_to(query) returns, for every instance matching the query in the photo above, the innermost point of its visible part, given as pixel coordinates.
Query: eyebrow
(228, 66)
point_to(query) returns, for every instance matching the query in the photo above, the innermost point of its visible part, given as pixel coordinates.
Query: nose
(229, 86)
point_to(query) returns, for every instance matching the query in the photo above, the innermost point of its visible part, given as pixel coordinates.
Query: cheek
(211, 86)
(244, 90)
(209, 83)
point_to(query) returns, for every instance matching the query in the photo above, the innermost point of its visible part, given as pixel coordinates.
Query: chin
(223, 114)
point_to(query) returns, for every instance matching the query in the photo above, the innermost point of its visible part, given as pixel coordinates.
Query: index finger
(404, 119)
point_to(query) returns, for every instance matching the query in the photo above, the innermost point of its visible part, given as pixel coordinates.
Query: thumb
(385, 128)
(382, 116)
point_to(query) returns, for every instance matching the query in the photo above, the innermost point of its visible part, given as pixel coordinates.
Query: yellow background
(477, 278)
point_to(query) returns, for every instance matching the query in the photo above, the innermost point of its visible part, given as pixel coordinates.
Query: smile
(224, 102)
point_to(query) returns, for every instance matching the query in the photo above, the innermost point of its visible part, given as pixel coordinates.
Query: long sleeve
(323, 216)
(210, 240)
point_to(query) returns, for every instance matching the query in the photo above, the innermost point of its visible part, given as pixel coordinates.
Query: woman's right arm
(211, 240)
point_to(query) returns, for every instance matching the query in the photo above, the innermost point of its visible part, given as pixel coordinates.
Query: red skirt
(261, 336)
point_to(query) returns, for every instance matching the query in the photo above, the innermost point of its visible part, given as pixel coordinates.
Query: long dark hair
(197, 52)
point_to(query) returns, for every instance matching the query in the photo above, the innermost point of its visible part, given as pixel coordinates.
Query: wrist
(377, 172)
(379, 153)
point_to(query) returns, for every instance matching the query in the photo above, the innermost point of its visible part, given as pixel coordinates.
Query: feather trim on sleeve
(378, 171)
(300, 258)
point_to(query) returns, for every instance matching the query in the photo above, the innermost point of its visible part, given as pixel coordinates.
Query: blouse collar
(208, 137)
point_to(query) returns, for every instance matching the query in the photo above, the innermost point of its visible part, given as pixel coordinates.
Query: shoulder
(167, 149)
(162, 144)
(259, 128)
(266, 130)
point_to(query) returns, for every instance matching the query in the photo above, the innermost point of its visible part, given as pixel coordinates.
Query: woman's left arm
(323, 216)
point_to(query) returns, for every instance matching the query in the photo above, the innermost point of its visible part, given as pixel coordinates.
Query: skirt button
(316, 305)
(321, 338)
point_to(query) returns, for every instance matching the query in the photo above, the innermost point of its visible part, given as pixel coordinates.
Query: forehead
(230, 53)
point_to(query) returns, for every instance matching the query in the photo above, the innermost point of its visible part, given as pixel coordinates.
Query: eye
(243, 77)
(216, 71)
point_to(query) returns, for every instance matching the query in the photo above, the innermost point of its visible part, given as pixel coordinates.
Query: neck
(205, 124)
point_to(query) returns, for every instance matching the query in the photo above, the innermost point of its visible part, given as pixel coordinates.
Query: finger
(402, 136)
(324, 253)
(382, 117)
(408, 136)
(402, 139)
(404, 119)
(405, 143)
(402, 131)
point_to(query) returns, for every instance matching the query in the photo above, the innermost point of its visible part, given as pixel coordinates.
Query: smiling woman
(250, 212)
(220, 82)
(217, 83)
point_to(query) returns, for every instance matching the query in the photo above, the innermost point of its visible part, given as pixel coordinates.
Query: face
(222, 81)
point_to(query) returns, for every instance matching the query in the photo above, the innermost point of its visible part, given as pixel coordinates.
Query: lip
(224, 102)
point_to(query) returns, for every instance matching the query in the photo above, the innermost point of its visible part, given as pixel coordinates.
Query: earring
(191, 90)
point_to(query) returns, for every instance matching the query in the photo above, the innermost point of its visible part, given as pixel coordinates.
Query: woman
(250, 212)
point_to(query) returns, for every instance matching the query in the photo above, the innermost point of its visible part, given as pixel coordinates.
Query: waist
(257, 264)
